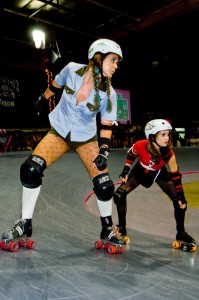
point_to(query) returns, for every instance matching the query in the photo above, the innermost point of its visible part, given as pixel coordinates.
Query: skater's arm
(130, 158)
(42, 103)
(52, 90)
(104, 142)
(125, 173)
(176, 177)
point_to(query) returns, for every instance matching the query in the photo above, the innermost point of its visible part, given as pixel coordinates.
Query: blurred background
(159, 40)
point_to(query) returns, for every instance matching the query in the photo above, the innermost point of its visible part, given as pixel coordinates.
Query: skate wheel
(31, 244)
(120, 250)
(193, 249)
(22, 243)
(98, 244)
(112, 249)
(106, 245)
(10, 246)
(13, 246)
(176, 245)
(189, 247)
(3, 245)
(126, 240)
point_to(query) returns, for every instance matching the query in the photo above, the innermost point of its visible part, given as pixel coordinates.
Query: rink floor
(66, 223)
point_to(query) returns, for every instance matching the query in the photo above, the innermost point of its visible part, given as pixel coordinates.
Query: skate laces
(19, 226)
(114, 232)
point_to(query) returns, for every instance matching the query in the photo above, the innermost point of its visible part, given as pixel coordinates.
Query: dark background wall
(160, 68)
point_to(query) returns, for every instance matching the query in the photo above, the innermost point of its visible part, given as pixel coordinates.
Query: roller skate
(185, 242)
(122, 230)
(111, 240)
(18, 236)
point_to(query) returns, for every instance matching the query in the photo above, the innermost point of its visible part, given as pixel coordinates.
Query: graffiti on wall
(9, 91)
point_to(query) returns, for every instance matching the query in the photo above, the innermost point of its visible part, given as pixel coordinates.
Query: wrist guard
(101, 159)
(176, 178)
(125, 171)
(103, 141)
(130, 158)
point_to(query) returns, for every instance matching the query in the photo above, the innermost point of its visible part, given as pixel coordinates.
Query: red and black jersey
(139, 150)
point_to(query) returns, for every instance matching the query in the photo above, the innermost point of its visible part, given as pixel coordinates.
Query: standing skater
(87, 90)
(153, 155)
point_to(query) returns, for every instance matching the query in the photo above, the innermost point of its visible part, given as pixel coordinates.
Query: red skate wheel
(106, 245)
(13, 246)
(120, 250)
(3, 246)
(98, 245)
(112, 249)
(30, 244)
(22, 243)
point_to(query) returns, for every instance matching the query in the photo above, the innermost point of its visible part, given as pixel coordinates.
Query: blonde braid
(98, 79)
(108, 91)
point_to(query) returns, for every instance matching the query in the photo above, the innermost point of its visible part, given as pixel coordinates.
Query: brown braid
(99, 79)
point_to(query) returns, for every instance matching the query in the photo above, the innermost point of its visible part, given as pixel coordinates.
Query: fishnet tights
(52, 147)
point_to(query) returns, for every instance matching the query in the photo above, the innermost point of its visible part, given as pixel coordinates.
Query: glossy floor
(65, 264)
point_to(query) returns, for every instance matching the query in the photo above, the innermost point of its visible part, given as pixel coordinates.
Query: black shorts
(146, 177)
(72, 145)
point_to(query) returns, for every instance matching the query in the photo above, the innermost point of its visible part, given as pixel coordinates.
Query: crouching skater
(148, 161)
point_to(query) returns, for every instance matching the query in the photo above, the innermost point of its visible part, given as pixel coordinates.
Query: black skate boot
(20, 229)
(184, 237)
(111, 234)
(123, 232)
(185, 241)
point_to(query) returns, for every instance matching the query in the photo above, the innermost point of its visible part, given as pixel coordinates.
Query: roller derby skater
(86, 90)
(155, 162)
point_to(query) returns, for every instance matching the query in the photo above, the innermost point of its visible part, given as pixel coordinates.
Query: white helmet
(154, 126)
(104, 46)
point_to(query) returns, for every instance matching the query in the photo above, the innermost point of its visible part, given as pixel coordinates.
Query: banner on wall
(9, 91)
(123, 106)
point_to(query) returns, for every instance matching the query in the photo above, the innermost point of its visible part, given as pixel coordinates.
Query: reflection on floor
(65, 264)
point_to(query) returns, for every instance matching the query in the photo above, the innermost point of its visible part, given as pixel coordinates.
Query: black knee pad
(103, 186)
(31, 171)
(120, 197)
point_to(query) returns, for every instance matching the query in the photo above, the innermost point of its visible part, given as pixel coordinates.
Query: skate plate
(189, 247)
(15, 244)
(111, 248)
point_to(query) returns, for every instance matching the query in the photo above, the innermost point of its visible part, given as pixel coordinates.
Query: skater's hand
(182, 202)
(41, 105)
(182, 205)
(124, 175)
(101, 160)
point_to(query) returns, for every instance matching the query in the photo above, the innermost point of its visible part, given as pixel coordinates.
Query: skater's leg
(103, 188)
(31, 172)
(29, 206)
(121, 204)
(120, 199)
(179, 213)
